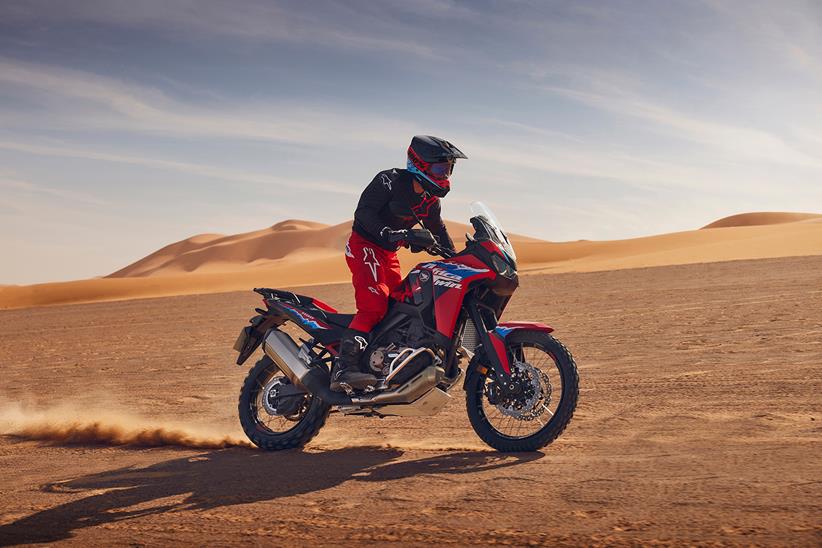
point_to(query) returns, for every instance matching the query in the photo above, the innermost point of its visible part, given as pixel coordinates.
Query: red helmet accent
(436, 172)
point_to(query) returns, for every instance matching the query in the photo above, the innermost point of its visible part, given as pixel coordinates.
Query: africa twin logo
(361, 342)
(386, 180)
(448, 283)
(444, 278)
(370, 259)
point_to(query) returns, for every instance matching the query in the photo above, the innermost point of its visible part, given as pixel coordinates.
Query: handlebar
(407, 237)
(437, 249)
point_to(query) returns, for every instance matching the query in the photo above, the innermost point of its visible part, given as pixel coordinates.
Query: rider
(396, 199)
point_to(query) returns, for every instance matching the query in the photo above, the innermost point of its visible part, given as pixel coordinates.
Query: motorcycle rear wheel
(500, 424)
(277, 432)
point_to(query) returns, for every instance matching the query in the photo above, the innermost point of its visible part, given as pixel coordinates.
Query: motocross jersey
(375, 212)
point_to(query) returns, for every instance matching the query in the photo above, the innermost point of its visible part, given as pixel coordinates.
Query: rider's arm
(437, 227)
(372, 200)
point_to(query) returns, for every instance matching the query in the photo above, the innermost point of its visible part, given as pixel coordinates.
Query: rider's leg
(346, 369)
(367, 263)
(393, 276)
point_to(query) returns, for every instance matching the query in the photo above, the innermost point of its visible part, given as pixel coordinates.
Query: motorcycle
(521, 384)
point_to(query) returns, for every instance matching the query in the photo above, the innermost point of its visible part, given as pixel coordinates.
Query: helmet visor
(441, 170)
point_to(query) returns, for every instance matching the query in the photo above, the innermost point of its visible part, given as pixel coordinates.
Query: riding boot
(346, 373)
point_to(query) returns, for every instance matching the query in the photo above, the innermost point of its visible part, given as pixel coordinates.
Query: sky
(125, 126)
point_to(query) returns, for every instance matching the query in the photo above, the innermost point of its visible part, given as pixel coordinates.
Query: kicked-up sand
(698, 424)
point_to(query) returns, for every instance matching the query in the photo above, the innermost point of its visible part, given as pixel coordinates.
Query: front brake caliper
(492, 393)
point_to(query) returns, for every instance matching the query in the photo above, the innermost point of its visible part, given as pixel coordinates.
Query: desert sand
(698, 424)
(299, 253)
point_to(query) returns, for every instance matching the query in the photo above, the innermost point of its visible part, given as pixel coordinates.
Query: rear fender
(253, 334)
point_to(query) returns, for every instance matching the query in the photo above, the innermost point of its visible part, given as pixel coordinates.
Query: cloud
(19, 186)
(238, 176)
(265, 21)
(80, 100)
(792, 31)
(741, 142)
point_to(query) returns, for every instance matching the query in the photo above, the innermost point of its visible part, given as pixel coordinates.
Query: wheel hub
(289, 407)
(270, 395)
(526, 395)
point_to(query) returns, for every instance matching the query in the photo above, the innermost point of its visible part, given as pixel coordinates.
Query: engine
(407, 353)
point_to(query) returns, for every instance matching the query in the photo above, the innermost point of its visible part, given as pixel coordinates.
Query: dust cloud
(69, 424)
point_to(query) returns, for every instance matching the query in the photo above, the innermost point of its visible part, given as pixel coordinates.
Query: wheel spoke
(525, 415)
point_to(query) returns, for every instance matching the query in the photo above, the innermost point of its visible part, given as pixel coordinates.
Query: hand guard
(416, 239)
(420, 239)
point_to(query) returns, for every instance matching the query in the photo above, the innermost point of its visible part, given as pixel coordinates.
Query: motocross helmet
(432, 160)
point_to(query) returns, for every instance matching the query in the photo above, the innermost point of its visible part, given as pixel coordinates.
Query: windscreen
(495, 231)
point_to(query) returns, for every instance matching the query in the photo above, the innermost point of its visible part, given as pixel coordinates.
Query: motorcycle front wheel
(274, 424)
(538, 401)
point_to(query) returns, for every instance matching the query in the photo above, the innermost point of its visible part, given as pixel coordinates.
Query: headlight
(501, 266)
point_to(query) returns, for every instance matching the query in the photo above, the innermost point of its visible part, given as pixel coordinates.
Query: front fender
(494, 347)
(500, 333)
(506, 328)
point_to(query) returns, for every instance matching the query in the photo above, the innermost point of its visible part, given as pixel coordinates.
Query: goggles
(441, 170)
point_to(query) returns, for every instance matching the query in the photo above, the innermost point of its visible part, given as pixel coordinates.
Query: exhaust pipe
(284, 352)
(282, 349)
(407, 393)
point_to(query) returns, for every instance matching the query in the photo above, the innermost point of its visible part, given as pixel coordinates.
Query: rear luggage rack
(278, 295)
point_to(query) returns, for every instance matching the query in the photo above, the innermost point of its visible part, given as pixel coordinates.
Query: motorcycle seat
(339, 320)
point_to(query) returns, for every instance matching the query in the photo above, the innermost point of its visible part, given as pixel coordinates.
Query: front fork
(492, 343)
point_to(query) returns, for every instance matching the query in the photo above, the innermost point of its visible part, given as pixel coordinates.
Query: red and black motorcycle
(521, 383)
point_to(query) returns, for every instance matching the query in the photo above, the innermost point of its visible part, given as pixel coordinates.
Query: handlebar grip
(395, 236)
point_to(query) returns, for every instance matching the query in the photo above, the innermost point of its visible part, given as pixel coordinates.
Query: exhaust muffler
(284, 352)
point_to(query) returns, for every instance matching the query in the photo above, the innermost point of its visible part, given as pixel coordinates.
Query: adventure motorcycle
(521, 383)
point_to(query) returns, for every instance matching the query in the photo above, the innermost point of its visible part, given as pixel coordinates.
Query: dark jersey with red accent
(374, 211)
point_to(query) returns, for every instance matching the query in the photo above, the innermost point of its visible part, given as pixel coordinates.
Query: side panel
(302, 318)
(452, 279)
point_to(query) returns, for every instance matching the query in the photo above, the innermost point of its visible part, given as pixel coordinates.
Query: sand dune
(298, 240)
(762, 218)
(788, 239)
(217, 252)
(295, 253)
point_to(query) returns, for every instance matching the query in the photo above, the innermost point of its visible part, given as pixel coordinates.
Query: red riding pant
(375, 272)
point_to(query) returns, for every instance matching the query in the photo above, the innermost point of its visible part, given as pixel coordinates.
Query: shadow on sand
(228, 477)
